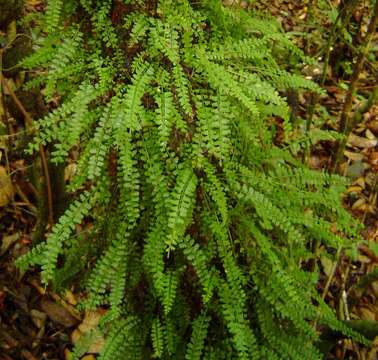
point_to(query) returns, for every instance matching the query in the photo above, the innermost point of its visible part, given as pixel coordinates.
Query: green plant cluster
(196, 226)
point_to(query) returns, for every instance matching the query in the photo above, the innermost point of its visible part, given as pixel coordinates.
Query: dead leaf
(369, 135)
(366, 314)
(371, 178)
(327, 264)
(353, 156)
(354, 189)
(360, 182)
(374, 287)
(70, 298)
(69, 172)
(90, 323)
(38, 318)
(355, 170)
(67, 354)
(33, 2)
(8, 241)
(88, 357)
(58, 313)
(6, 187)
(75, 336)
(70, 308)
(361, 142)
(373, 159)
(363, 259)
(360, 204)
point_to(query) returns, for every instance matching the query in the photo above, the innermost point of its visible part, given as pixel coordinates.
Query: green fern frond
(166, 114)
(130, 107)
(180, 206)
(182, 87)
(123, 339)
(157, 335)
(170, 282)
(53, 12)
(200, 260)
(199, 331)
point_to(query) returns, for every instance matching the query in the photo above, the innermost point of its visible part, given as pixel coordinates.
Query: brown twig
(28, 119)
(343, 17)
(332, 274)
(2, 102)
(25, 200)
(29, 124)
(329, 282)
(346, 123)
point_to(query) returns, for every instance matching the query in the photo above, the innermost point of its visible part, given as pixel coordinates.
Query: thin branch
(346, 120)
(28, 118)
(343, 16)
(3, 113)
(332, 274)
(29, 124)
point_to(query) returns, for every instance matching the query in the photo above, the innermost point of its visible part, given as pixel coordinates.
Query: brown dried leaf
(363, 259)
(88, 357)
(8, 241)
(69, 172)
(355, 170)
(38, 318)
(353, 156)
(354, 189)
(70, 298)
(6, 187)
(366, 313)
(361, 142)
(67, 354)
(58, 313)
(369, 135)
(327, 264)
(360, 204)
(90, 323)
(360, 182)
(373, 159)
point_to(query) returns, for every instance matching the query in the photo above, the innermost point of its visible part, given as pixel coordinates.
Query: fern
(195, 225)
(53, 12)
(180, 206)
(48, 253)
(157, 338)
(200, 260)
(195, 348)
(123, 339)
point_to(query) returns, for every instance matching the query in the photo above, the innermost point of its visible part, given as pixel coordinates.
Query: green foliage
(199, 332)
(201, 225)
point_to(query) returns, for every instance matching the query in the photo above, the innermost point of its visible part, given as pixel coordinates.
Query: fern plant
(201, 225)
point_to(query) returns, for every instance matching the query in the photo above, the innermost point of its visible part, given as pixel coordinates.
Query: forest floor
(38, 323)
